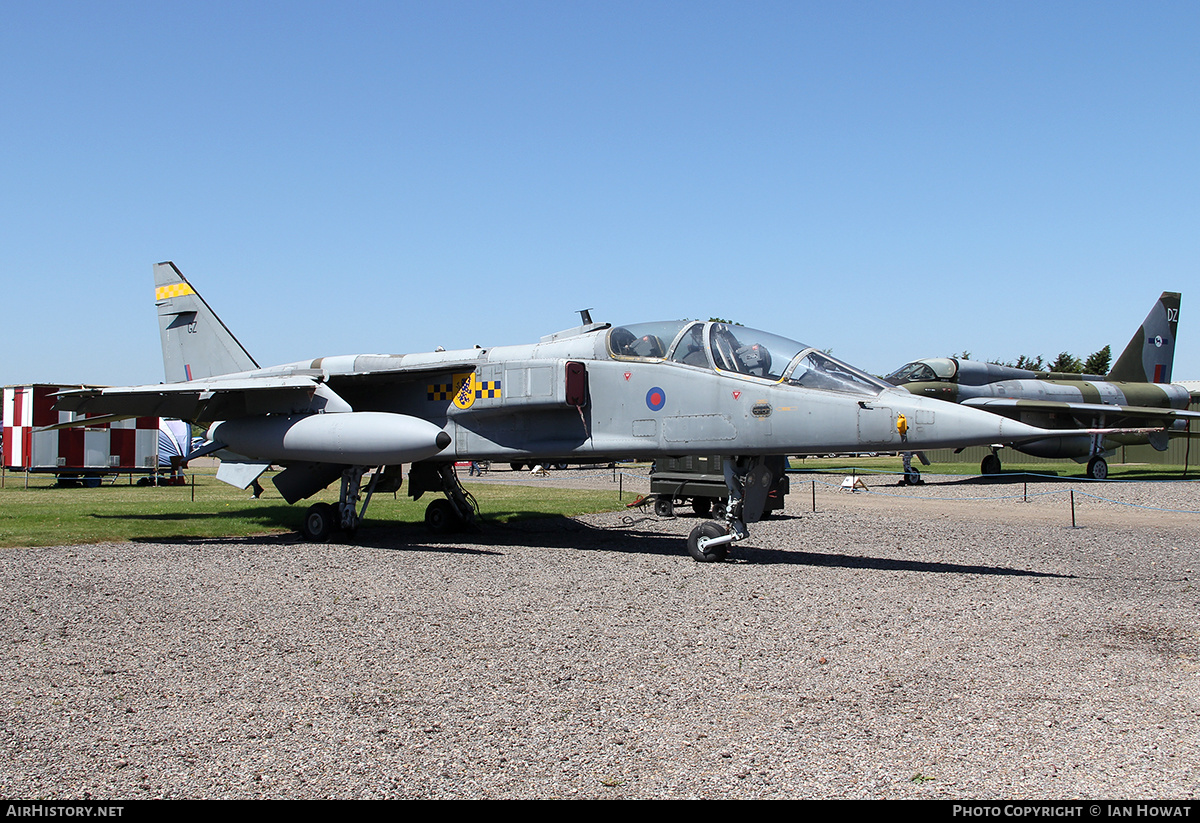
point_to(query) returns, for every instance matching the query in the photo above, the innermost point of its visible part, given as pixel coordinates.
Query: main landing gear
(322, 519)
(990, 464)
(1097, 468)
(454, 512)
(749, 483)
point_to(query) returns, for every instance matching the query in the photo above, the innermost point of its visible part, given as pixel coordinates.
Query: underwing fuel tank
(349, 438)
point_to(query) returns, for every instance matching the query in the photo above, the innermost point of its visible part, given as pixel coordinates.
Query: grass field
(41, 514)
(44, 515)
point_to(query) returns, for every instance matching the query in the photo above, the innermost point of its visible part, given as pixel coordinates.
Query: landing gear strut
(749, 482)
(1097, 467)
(322, 518)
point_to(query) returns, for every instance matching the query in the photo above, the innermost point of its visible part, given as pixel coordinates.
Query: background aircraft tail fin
(195, 343)
(1150, 354)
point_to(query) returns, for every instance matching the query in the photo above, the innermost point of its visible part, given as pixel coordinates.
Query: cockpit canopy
(724, 347)
(930, 370)
(956, 370)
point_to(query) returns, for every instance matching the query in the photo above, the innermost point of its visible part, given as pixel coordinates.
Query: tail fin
(195, 343)
(1150, 354)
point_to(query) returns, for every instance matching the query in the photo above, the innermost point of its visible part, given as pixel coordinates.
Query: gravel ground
(948, 641)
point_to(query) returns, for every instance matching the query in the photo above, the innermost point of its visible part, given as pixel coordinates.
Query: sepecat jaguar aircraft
(594, 393)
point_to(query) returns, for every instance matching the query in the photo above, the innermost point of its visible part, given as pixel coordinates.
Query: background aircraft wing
(1113, 414)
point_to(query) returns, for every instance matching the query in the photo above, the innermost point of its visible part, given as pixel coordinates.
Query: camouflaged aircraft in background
(1136, 397)
(594, 393)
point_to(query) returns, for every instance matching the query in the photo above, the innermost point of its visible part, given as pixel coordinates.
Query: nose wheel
(698, 543)
(748, 481)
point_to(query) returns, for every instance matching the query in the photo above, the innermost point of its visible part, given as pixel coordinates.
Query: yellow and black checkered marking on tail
(487, 388)
(173, 290)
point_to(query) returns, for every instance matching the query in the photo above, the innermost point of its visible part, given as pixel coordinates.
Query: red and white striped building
(121, 446)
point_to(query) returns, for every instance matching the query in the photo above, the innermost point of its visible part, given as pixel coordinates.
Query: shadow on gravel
(537, 530)
(755, 555)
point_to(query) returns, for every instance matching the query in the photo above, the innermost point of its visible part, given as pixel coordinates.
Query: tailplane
(195, 343)
(1150, 354)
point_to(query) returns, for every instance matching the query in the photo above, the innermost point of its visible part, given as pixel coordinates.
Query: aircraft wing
(197, 400)
(234, 396)
(1009, 406)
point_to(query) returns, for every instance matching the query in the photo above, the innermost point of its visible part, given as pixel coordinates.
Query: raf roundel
(656, 398)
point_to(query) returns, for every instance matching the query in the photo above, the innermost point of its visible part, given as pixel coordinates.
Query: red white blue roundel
(656, 398)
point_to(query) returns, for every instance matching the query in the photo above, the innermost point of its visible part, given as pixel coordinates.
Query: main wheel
(913, 476)
(440, 517)
(708, 530)
(702, 505)
(664, 507)
(1098, 468)
(516, 466)
(318, 523)
(990, 464)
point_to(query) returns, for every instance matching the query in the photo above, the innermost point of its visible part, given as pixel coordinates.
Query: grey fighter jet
(592, 393)
(1137, 396)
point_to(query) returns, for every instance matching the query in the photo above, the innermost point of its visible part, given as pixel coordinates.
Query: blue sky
(891, 180)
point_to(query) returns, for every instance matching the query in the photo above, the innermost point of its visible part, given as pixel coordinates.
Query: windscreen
(817, 370)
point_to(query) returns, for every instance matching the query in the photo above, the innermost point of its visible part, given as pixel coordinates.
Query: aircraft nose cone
(952, 425)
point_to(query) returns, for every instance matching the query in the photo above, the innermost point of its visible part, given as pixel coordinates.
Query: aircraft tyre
(990, 464)
(664, 507)
(714, 555)
(702, 505)
(318, 523)
(440, 517)
(516, 466)
(1098, 468)
(912, 476)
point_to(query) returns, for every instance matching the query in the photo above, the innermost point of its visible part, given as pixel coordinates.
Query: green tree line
(1097, 362)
